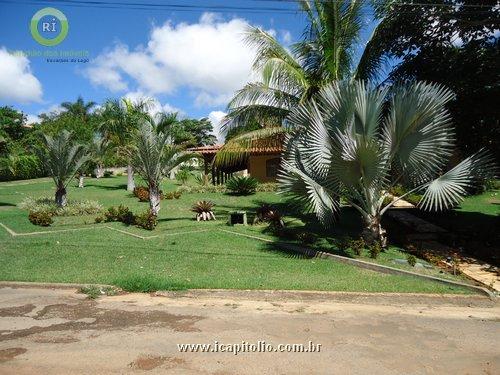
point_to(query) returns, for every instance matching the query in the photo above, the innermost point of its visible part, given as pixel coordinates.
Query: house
(261, 162)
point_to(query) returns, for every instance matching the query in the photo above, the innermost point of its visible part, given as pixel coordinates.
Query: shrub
(262, 212)
(307, 238)
(41, 218)
(344, 243)
(357, 246)
(202, 179)
(21, 167)
(267, 187)
(276, 222)
(242, 185)
(99, 219)
(203, 210)
(411, 259)
(169, 195)
(121, 214)
(397, 190)
(375, 249)
(72, 208)
(413, 198)
(142, 193)
(183, 176)
(146, 220)
(177, 194)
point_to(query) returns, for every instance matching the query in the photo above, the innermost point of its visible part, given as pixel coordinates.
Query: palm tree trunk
(154, 200)
(130, 178)
(374, 232)
(99, 171)
(60, 198)
(80, 181)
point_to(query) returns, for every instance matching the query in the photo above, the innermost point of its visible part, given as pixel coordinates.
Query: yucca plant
(242, 185)
(155, 156)
(203, 210)
(358, 142)
(62, 158)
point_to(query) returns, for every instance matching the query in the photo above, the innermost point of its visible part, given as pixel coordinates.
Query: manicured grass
(186, 253)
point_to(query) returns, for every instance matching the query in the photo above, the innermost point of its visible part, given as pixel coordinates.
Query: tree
(359, 141)
(99, 150)
(292, 77)
(155, 155)
(194, 133)
(78, 108)
(62, 158)
(12, 130)
(120, 123)
(454, 43)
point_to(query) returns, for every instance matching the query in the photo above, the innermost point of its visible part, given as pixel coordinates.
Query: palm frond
(451, 187)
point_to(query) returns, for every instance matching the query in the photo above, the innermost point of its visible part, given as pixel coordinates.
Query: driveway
(59, 331)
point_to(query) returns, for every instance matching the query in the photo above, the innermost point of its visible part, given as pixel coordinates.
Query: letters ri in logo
(49, 26)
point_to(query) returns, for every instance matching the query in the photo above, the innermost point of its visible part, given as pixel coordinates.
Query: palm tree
(155, 155)
(120, 125)
(359, 141)
(99, 149)
(289, 78)
(62, 159)
(79, 108)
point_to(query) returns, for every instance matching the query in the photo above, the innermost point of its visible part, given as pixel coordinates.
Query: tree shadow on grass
(5, 204)
(105, 187)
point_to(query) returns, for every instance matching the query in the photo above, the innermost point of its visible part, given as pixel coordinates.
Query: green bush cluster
(411, 259)
(146, 220)
(22, 167)
(242, 185)
(173, 194)
(72, 208)
(42, 218)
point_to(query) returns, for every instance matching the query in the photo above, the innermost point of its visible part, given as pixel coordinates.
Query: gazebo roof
(264, 149)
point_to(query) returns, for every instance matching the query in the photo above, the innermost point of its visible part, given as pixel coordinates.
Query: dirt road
(47, 331)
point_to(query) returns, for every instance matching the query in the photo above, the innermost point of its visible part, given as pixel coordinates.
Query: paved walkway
(61, 332)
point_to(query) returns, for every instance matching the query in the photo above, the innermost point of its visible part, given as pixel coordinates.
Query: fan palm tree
(62, 159)
(289, 78)
(357, 141)
(120, 124)
(79, 108)
(155, 155)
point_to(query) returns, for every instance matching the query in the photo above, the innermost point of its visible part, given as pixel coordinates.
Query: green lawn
(186, 253)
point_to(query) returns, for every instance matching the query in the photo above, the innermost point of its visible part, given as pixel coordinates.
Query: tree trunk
(80, 181)
(61, 196)
(130, 178)
(154, 200)
(99, 171)
(374, 232)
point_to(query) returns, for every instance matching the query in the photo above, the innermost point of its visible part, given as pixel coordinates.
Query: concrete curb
(367, 265)
(291, 295)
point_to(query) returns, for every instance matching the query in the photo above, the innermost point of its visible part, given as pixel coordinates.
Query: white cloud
(215, 118)
(209, 58)
(17, 83)
(53, 109)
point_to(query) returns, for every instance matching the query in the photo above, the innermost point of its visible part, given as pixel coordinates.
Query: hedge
(23, 167)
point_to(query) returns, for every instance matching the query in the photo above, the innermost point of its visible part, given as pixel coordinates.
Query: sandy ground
(54, 331)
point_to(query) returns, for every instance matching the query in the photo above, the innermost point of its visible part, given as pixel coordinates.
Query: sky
(190, 59)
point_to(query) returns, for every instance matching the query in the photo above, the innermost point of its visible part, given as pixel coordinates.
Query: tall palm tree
(359, 141)
(62, 158)
(79, 107)
(120, 124)
(155, 155)
(291, 77)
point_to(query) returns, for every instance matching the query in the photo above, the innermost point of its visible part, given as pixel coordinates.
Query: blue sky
(188, 61)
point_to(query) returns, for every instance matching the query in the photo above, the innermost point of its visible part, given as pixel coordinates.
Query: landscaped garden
(182, 252)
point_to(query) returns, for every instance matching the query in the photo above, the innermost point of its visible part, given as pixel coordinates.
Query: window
(272, 166)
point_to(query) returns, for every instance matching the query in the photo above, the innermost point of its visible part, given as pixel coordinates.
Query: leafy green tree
(359, 142)
(454, 43)
(12, 130)
(154, 156)
(62, 158)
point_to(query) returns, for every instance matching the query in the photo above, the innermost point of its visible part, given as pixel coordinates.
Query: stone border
(366, 265)
(16, 234)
